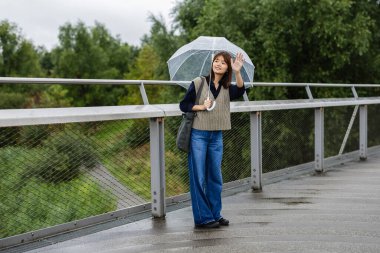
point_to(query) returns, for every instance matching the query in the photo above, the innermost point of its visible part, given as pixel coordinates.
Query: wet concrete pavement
(337, 211)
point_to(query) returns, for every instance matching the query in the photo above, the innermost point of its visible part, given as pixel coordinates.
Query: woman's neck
(217, 78)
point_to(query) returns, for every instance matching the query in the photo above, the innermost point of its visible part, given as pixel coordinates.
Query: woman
(206, 145)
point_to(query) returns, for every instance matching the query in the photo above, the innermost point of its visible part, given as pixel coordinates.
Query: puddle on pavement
(290, 201)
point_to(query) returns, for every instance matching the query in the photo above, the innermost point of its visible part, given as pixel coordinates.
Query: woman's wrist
(199, 108)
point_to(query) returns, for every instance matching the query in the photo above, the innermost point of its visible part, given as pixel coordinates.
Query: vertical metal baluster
(157, 161)
(363, 132)
(256, 151)
(319, 139)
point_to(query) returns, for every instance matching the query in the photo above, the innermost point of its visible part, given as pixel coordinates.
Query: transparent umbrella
(194, 59)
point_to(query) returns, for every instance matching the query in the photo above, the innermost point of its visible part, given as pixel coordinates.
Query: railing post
(256, 151)
(143, 94)
(363, 135)
(319, 139)
(157, 163)
(308, 91)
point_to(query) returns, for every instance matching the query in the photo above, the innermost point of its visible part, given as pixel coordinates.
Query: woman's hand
(207, 103)
(237, 64)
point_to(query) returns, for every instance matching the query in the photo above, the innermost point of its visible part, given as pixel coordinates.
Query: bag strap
(200, 90)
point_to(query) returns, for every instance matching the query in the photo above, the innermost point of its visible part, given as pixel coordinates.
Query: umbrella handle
(212, 107)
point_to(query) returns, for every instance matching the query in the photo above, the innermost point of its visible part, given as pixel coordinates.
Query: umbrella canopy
(194, 59)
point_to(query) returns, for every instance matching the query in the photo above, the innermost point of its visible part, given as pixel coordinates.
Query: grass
(27, 203)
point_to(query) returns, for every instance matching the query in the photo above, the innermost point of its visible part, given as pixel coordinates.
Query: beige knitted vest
(217, 119)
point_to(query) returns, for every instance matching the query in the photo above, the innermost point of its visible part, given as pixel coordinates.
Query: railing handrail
(27, 80)
(155, 112)
(38, 116)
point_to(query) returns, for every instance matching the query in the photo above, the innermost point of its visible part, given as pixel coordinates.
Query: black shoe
(223, 222)
(212, 224)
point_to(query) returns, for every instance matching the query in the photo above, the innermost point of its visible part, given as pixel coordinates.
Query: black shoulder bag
(184, 130)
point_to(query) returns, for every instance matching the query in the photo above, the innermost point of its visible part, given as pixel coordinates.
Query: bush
(65, 155)
(12, 100)
(33, 136)
(9, 136)
(138, 134)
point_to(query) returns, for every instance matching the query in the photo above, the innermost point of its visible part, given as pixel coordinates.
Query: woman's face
(219, 66)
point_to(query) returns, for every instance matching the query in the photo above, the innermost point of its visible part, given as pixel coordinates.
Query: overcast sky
(40, 19)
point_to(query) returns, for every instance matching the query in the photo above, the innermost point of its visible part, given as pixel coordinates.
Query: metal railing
(66, 168)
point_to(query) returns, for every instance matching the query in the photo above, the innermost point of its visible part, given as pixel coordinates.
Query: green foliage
(8, 136)
(187, 16)
(27, 136)
(134, 173)
(164, 44)
(55, 96)
(176, 175)
(287, 138)
(63, 156)
(177, 179)
(145, 68)
(138, 133)
(28, 204)
(236, 153)
(46, 61)
(158, 46)
(336, 121)
(288, 40)
(10, 100)
(295, 41)
(145, 64)
(34, 136)
(91, 52)
(18, 57)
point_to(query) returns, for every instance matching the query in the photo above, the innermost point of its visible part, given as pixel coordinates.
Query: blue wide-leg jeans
(205, 159)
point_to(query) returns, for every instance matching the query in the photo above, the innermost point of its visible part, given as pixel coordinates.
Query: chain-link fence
(373, 125)
(337, 122)
(236, 155)
(236, 162)
(176, 173)
(287, 138)
(53, 174)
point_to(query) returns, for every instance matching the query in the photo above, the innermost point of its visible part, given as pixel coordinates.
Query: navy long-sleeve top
(188, 101)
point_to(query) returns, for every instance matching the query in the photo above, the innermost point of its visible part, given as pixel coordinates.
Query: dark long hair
(227, 77)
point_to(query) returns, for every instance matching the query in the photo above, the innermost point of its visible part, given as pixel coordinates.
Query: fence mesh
(53, 174)
(373, 125)
(236, 162)
(236, 155)
(337, 120)
(287, 138)
(176, 173)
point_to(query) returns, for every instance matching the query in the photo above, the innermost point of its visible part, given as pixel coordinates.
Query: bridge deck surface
(336, 211)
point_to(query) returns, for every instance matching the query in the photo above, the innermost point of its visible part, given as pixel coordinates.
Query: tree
(187, 14)
(18, 56)
(92, 52)
(293, 41)
(298, 41)
(164, 43)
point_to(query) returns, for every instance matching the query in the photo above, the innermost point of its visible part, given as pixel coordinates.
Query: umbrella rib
(204, 62)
